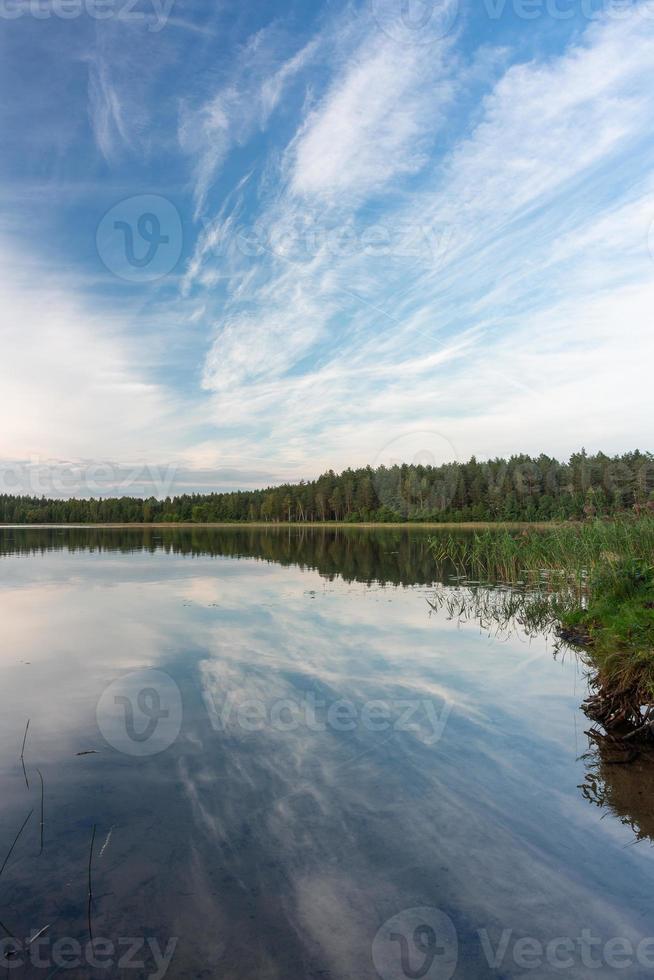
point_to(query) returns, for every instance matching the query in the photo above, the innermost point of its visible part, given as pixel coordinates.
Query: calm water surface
(296, 768)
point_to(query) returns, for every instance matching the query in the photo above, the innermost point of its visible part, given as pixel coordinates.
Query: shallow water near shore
(296, 767)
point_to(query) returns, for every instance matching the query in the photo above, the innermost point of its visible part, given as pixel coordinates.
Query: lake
(264, 754)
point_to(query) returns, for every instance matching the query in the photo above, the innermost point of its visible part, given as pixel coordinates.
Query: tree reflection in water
(620, 781)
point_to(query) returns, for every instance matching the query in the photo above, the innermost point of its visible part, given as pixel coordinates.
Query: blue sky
(243, 243)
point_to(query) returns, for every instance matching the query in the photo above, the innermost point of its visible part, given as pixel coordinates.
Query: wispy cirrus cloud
(238, 109)
(512, 322)
(377, 122)
(106, 111)
(379, 237)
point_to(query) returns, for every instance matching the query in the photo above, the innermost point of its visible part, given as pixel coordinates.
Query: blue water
(297, 768)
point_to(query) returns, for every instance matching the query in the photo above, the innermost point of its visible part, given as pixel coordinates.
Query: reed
(565, 554)
(592, 583)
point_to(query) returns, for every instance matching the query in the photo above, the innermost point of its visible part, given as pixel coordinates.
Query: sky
(246, 242)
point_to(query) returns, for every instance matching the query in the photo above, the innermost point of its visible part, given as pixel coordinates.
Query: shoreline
(273, 525)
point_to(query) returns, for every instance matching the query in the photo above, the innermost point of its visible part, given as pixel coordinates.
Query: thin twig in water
(39, 933)
(42, 807)
(106, 843)
(91, 883)
(22, 754)
(11, 849)
(8, 931)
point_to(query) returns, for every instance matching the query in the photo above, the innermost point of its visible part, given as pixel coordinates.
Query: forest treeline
(522, 488)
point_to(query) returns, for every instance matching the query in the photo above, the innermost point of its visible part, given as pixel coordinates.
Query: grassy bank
(595, 583)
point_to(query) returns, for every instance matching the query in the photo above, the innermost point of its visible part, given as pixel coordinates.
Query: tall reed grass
(566, 554)
(593, 583)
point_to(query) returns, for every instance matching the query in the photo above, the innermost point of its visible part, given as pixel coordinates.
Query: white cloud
(272, 88)
(249, 348)
(69, 381)
(106, 111)
(529, 329)
(234, 113)
(546, 122)
(513, 341)
(375, 124)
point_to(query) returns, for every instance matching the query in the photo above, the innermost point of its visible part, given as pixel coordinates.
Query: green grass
(593, 582)
(568, 553)
(617, 625)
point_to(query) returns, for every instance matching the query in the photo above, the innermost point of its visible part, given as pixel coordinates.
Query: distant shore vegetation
(521, 488)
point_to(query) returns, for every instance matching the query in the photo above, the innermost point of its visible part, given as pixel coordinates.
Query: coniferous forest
(522, 488)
